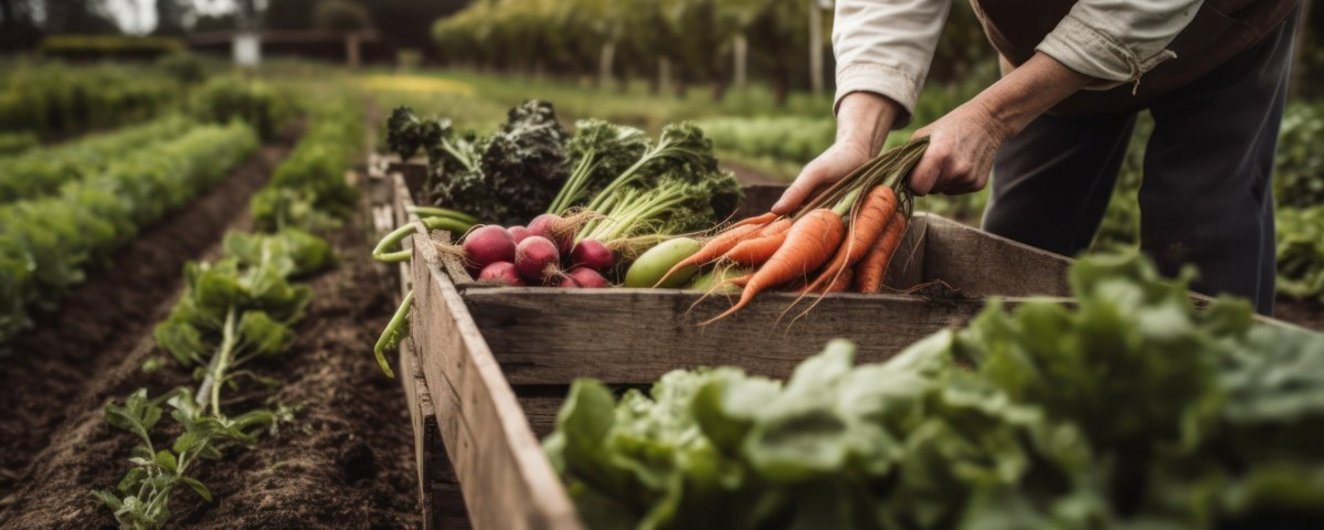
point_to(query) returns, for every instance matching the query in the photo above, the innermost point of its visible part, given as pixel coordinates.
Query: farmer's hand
(962, 147)
(964, 143)
(863, 121)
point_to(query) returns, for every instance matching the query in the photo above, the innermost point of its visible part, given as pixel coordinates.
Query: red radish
(592, 254)
(488, 244)
(502, 272)
(568, 282)
(555, 228)
(518, 233)
(535, 258)
(587, 278)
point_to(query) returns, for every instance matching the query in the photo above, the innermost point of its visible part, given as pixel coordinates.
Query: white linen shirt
(885, 46)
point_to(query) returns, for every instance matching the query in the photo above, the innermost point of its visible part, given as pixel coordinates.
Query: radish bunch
(543, 253)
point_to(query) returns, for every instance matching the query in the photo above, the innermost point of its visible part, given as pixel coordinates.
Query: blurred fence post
(815, 47)
(740, 54)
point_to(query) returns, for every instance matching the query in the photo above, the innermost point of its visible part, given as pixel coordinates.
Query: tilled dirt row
(344, 462)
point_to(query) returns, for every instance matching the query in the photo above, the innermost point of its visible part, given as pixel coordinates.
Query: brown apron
(1220, 30)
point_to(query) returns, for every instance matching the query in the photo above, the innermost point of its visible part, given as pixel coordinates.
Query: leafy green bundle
(508, 177)
(1301, 252)
(1132, 409)
(532, 166)
(670, 186)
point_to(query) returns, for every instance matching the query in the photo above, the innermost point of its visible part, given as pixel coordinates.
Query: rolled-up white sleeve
(1117, 41)
(885, 47)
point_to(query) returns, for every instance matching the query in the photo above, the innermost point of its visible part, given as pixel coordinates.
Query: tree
(79, 16)
(341, 15)
(290, 14)
(172, 17)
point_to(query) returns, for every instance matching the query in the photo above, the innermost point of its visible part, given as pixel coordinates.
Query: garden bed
(496, 361)
(344, 462)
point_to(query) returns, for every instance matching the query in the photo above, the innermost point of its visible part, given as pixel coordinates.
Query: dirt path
(345, 461)
(749, 175)
(46, 378)
(1306, 314)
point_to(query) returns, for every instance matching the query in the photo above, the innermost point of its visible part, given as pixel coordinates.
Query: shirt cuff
(891, 82)
(1087, 51)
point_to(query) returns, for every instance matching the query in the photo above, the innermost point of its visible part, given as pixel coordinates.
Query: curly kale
(449, 154)
(508, 177)
(524, 163)
(672, 187)
(601, 152)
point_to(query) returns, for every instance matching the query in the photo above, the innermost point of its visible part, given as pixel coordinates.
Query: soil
(344, 462)
(748, 175)
(44, 379)
(1304, 313)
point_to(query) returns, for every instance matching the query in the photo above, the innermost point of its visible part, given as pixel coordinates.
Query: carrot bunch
(840, 240)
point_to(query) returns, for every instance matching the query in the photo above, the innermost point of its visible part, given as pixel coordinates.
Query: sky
(139, 16)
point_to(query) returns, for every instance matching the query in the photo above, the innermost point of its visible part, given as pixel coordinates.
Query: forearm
(864, 119)
(1027, 92)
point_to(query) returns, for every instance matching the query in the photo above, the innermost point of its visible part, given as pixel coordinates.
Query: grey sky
(139, 16)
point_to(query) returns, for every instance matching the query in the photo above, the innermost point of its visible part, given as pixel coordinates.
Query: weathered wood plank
(508, 482)
(429, 456)
(982, 264)
(541, 410)
(551, 336)
(403, 200)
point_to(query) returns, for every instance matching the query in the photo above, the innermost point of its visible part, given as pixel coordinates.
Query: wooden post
(740, 53)
(663, 74)
(605, 60)
(815, 47)
(352, 50)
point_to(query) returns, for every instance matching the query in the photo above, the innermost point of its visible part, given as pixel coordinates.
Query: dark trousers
(1206, 198)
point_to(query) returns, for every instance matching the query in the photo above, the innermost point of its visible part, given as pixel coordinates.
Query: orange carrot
(756, 250)
(842, 283)
(808, 245)
(714, 248)
(760, 220)
(871, 219)
(869, 273)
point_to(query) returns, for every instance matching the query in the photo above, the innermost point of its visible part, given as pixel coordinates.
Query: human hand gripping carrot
(863, 121)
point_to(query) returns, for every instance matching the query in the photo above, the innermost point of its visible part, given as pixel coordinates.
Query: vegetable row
(42, 172)
(235, 323)
(1129, 409)
(53, 100)
(47, 243)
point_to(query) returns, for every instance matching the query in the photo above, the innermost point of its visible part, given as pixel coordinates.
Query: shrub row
(46, 243)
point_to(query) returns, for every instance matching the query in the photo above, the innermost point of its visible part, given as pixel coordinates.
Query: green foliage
(1130, 409)
(16, 143)
(507, 177)
(53, 100)
(673, 187)
(233, 312)
(37, 173)
(141, 499)
(46, 243)
(1301, 252)
(308, 190)
(793, 138)
(186, 68)
(341, 15)
(265, 106)
(1298, 179)
(85, 47)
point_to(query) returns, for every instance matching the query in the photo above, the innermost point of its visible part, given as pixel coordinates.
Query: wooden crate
(496, 361)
